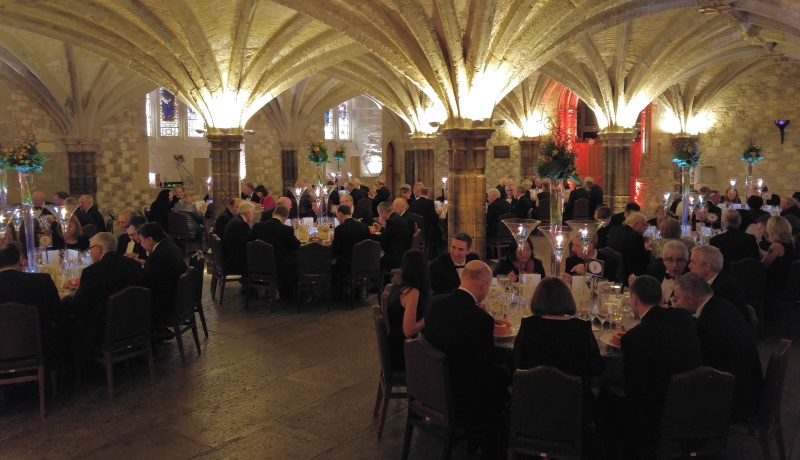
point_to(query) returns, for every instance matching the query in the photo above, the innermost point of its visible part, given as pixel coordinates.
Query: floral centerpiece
(752, 154)
(557, 163)
(23, 156)
(340, 153)
(687, 152)
(317, 152)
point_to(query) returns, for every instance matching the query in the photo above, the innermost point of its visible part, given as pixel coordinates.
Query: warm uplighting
(444, 183)
(700, 123)
(227, 111)
(430, 117)
(483, 93)
(733, 182)
(152, 179)
(534, 124)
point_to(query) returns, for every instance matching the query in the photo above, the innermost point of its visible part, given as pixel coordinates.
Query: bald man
(628, 240)
(39, 201)
(456, 324)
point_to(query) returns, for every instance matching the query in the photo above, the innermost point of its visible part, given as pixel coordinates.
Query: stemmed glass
(298, 193)
(6, 216)
(63, 214)
(585, 230)
(558, 237)
(521, 229)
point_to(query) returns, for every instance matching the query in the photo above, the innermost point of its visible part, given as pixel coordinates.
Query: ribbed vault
(530, 103)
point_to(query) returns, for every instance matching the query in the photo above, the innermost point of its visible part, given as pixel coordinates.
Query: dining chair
(220, 274)
(752, 320)
(178, 224)
(614, 268)
(21, 357)
(544, 211)
(751, 274)
(262, 270)
(389, 379)
(365, 270)
(419, 221)
(546, 414)
(581, 209)
(417, 241)
(183, 319)
(430, 403)
(126, 336)
(198, 261)
(504, 238)
(313, 269)
(768, 424)
(366, 205)
(697, 411)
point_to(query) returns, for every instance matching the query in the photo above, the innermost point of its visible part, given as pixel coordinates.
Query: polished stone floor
(268, 385)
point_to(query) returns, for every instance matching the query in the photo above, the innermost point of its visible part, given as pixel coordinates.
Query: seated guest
(248, 193)
(661, 214)
(778, 259)
(731, 197)
(457, 326)
(34, 289)
(762, 237)
(354, 191)
(333, 198)
(39, 202)
(789, 207)
(521, 204)
(663, 344)
(751, 215)
(195, 219)
(576, 194)
(670, 230)
(405, 193)
(159, 209)
(497, 207)
(59, 197)
(575, 266)
(726, 341)
(445, 270)
(177, 196)
(265, 199)
(162, 269)
(282, 201)
(707, 261)
(347, 234)
(395, 236)
(74, 237)
(552, 337)
(108, 274)
(307, 204)
(603, 214)
(595, 194)
(400, 207)
(90, 213)
(237, 234)
(358, 213)
(668, 268)
(510, 264)
(285, 244)
(619, 218)
(734, 244)
(430, 220)
(628, 240)
(406, 305)
(128, 243)
(231, 210)
(380, 195)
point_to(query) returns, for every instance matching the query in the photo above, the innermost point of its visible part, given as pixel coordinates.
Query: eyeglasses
(673, 260)
(94, 246)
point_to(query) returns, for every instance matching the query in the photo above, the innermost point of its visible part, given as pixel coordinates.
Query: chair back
(146, 213)
(416, 240)
(20, 340)
(89, 230)
(385, 305)
(127, 318)
(186, 294)
(260, 259)
(198, 261)
(428, 383)
(616, 257)
(366, 260)
(178, 224)
(772, 395)
(109, 226)
(314, 259)
(366, 205)
(216, 253)
(546, 413)
(502, 229)
(581, 209)
(752, 320)
(697, 412)
(419, 222)
(751, 275)
(382, 335)
(544, 210)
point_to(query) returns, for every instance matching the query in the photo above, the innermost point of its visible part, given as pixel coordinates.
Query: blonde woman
(778, 259)
(186, 204)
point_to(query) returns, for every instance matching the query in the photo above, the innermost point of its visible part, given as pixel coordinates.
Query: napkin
(529, 282)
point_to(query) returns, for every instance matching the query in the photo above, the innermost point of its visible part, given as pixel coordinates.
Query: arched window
(168, 117)
(337, 123)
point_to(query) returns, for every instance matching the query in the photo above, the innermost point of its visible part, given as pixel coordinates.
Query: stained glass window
(148, 110)
(343, 122)
(328, 124)
(194, 122)
(169, 114)
(337, 123)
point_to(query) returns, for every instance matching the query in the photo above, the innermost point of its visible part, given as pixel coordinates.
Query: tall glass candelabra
(558, 237)
(298, 193)
(63, 214)
(521, 229)
(585, 230)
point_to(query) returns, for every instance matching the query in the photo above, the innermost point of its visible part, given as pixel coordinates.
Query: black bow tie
(667, 276)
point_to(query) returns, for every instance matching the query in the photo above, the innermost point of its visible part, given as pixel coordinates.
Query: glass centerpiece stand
(667, 196)
(6, 217)
(63, 214)
(521, 229)
(584, 230)
(298, 193)
(558, 236)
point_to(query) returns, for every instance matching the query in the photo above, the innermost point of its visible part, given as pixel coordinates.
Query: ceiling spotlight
(249, 131)
(200, 131)
(434, 124)
(499, 122)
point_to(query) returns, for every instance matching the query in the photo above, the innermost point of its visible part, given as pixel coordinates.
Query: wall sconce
(249, 131)
(782, 124)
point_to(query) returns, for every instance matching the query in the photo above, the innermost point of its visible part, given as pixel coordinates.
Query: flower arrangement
(557, 157)
(317, 152)
(23, 156)
(339, 154)
(752, 154)
(687, 152)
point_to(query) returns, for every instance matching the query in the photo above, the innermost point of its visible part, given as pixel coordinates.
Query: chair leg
(150, 363)
(199, 310)
(384, 409)
(407, 439)
(222, 282)
(41, 392)
(179, 339)
(213, 285)
(377, 400)
(196, 336)
(109, 374)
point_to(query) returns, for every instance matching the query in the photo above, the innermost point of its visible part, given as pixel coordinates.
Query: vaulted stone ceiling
(453, 59)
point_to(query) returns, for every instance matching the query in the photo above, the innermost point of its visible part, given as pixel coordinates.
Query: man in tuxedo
(663, 344)
(108, 274)
(400, 207)
(602, 214)
(576, 194)
(619, 218)
(405, 193)
(734, 244)
(347, 234)
(712, 207)
(395, 236)
(39, 203)
(177, 195)
(707, 261)
(381, 194)
(751, 216)
(358, 213)
(445, 270)
(595, 194)
(248, 192)
(285, 244)
(510, 192)
(90, 213)
(307, 204)
(59, 197)
(666, 269)
(430, 221)
(789, 207)
(521, 204)
(128, 245)
(237, 234)
(501, 189)
(162, 269)
(574, 264)
(456, 325)
(34, 289)
(355, 192)
(628, 240)
(222, 221)
(497, 207)
(726, 342)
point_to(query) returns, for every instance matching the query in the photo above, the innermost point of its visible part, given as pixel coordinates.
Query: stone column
(617, 168)
(423, 160)
(226, 146)
(529, 156)
(466, 153)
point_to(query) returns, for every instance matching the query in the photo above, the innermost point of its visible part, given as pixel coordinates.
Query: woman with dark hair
(509, 265)
(265, 199)
(406, 305)
(159, 210)
(731, 197)
(75, 237)
(552, 337)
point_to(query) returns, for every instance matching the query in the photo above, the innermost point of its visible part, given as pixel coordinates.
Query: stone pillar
(529, 156)
(617, 168)
(423, 160)
(226, 146)
(466, 153)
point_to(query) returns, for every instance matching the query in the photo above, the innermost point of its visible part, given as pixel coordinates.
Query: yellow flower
(547, 159)
(316, 149)
(555, 152)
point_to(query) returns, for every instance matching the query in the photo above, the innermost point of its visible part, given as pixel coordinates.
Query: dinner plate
(605, 339)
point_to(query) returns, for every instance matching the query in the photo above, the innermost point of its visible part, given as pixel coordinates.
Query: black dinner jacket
(357, 195)
(443, 273)
(122, 245)
(791, 211)
(222, 222)
(728, 345)
(395, 240)
(520, 206)
(35, 289)
(283, 241)
(602, 237)
(493, 212)
(750, 216)
(430, 219)
(237, 234)
(362, 215)
(735, 245)
(663, 344)
(161, 271)
(252, 197)
(726, 287)
(346, 235)
(616, 220)
(630, 244)
(44, 210)
(95, 217)
(595, 199)
(381, 195)
(575, 195)
(502, 189)
(658, 270)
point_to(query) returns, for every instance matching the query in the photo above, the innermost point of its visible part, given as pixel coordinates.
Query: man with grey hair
(595, 194)
(394, 234)
(177, 196)
(430, 221)
(497, 207)
(789, 207)
(706, 261)
(726, 342)
(628, 240)
(734, 244)
(89, 213)
(521, 203)
(669, 267)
